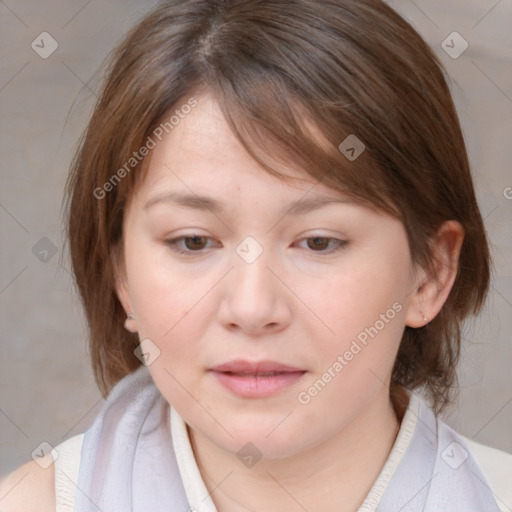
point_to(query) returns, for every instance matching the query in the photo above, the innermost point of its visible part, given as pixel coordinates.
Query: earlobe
(123, 294)
(433, 287)
(130, 324)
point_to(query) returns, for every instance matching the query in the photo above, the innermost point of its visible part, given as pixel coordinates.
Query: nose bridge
(251, 273)
(254, 299)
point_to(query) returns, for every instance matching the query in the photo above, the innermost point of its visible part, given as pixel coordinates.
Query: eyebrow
(204, 203)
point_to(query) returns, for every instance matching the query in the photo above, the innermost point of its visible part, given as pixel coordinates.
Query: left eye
(322, 243)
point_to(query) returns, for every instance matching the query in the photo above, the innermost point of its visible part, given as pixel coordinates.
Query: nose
(254, 300)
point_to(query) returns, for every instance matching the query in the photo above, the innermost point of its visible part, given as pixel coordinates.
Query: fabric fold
(128, 461)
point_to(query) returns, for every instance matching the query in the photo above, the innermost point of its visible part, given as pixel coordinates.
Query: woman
(275, 236)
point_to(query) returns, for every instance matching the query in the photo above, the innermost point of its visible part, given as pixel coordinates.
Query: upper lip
(240, 366)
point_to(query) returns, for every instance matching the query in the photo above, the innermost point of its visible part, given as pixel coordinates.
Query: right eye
(188, 244)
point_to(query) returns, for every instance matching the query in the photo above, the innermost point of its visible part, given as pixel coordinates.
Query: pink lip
(240, 366)
(251, 380)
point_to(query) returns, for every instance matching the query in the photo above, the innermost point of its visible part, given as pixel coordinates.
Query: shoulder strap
(66, 466)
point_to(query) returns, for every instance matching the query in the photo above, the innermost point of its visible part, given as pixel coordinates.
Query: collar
(199, 497)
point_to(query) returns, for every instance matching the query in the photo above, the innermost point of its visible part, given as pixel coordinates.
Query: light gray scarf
(128, 462)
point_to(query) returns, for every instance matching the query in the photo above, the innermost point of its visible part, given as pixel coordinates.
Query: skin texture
(29, 488)
(300, 303)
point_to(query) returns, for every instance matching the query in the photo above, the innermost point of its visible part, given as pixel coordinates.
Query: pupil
(318, 243)
(195, 242)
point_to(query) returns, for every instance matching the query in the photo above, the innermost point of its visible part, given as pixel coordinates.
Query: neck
(333, 476)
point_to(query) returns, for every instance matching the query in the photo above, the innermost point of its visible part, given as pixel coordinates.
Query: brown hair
(345, 67)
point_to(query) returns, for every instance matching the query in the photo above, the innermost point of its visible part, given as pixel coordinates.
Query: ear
(122, 290)
(432, 289)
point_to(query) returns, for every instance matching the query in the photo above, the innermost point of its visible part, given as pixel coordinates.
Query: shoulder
(29, 488)
(496, 466)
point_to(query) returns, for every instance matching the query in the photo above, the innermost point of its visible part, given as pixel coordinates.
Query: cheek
(163, 295)
(355, 362)
(354, 300)
(360, 317)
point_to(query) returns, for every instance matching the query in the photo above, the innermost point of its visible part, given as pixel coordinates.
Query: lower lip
(252, 386)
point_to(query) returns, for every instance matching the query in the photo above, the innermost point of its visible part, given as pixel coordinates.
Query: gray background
(47, 392)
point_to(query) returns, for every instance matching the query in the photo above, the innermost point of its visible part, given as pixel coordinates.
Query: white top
(495, 464)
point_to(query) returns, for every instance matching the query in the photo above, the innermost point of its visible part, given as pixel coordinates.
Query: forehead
(201, 155)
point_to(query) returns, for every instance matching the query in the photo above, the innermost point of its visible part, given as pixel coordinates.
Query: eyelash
(173, 244)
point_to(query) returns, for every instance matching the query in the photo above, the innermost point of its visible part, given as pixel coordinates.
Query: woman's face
(227, 265)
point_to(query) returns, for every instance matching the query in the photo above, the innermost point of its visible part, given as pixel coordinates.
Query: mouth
(256, 380)
(253, 368)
